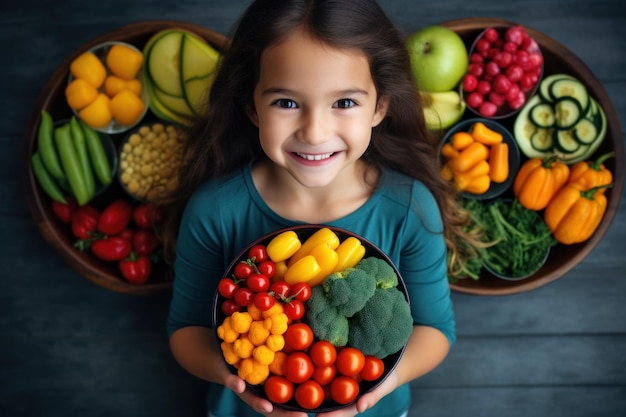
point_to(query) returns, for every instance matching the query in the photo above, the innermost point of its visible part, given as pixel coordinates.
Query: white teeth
(317, 157)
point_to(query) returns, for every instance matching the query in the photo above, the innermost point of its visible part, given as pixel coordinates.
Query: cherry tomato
(258, 254)
(294, 309)
(145, 215)
(267, 268)
(298, 367)
(243, 296)
(301, 291)
(344, 389)
(128, 233)
(136, 269)
(299, 336)
(373, 368)
(115, 217)
(258, 282)
(280, 289)
(278, 389)
(243, 270)
(324, 375)
(145, 242)
(323, 353)
(350, 361)
(84, 222)
(309, 395)
(111, 248)
(227, 287)
(229, 307)
(64, 211)
(264, 301)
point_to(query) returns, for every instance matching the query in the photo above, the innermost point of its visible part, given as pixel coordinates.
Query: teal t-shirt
(225, 215)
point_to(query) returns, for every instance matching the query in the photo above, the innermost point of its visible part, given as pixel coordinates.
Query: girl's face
(315, 107)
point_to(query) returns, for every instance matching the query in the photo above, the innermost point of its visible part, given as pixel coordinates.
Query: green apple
(442, 110)
(439, 58)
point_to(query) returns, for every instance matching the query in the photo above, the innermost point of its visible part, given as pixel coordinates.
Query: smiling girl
(314, 118)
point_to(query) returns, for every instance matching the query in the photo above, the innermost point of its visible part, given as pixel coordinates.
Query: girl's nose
(314, 128)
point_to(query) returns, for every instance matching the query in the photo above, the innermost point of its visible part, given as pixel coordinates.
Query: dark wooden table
(69, 347)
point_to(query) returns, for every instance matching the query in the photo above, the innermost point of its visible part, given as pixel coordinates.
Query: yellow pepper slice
(283, 246)
(323, 235)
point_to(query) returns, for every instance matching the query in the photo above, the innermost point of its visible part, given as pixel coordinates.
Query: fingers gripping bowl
(318, 359)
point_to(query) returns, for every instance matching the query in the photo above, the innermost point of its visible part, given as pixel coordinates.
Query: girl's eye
(285, 103)
(345, 103)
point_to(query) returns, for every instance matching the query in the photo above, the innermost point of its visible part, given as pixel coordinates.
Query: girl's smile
(315, 107)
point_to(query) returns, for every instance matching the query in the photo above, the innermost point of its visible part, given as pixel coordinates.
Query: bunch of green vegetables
(516, 239)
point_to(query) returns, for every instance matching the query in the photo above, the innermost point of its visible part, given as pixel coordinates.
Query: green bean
(99, 160)
(71, 164)
(45, 144)
(45, 180)
(78, 138)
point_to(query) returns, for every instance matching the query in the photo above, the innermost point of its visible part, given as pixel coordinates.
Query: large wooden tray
(52, 99)
(557, 59)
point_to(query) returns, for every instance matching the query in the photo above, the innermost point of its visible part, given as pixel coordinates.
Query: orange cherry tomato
(350, 361)
(298, 367)
(278, 389)
(344, 389)
(299, 336)
(309, 394)
(373, 368)
(323, 353)
(324, 375)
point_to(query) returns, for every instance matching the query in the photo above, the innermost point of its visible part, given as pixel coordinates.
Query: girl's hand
(260, 405)
(368, 400)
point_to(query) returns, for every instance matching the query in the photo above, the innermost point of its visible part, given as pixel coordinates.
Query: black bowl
(303, 232)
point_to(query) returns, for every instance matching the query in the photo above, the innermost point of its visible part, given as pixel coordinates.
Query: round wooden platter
(557, 59)
(51, 98)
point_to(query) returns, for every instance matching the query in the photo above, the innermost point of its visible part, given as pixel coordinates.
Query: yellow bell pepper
(323, 235)
(349, 253)
(327, 259)
(283, 246)
(252, 371)
(302, 271)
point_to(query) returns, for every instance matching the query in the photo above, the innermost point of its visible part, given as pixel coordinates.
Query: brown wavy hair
(224, 139)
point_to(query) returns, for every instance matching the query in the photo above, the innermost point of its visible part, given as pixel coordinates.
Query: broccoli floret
(383, 272)
(384, 324)
(324, 319)
(349, 290)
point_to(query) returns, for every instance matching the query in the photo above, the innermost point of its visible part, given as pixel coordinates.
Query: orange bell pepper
(592, 174)
(538, 180)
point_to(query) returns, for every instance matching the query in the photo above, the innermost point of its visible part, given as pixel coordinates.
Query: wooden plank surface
(70, 347)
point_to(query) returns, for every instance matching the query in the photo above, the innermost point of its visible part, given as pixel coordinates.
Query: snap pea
(45, 180)
(97, 154)
(78, 138)
(71, 163)
(45, 144)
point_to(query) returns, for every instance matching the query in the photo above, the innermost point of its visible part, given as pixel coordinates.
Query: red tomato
(84, 222)
(294, 309)
(115, 217)
(263, 301)
(227, 287)
(127, 233)
(267, 268)
(344, 389)
(280, 289)
(64, 211)
(299, 336)
(229, 307)
(136, 270)
(278, 389)
(243, 296)
(145, 242)
(298, 367)
(324, 375)
(373, 368)
(145, 215)
(301, 291)
(258, 254)
(243, 270)
(323, 353)
(111, 248)
(309, 395)
(258, 282)
(350, 361)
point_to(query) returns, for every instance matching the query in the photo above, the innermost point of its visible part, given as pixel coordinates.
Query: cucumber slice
(523, 129)
(544, 86)
(542, 115)
(565, 141)
(570, 88)
(567, 113)
(585, 131)
(542, 140)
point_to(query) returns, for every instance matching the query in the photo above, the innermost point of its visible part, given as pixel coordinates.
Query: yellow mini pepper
(283, 246)
(323, 235)
(485, 135)
(349, 253)
(327, 259)
(302, 271)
